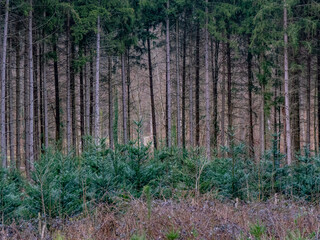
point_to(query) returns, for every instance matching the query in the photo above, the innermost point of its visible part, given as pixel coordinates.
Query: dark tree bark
(57, 94)
(184, 50)
(153, 110)
(197, 90)
(215, 78)
(73, 96)
(91, 96)
(250, 88)
(128, 95)
(82, 108)
(36, 134)
(18, 98)
(229, 86)
(110, 102)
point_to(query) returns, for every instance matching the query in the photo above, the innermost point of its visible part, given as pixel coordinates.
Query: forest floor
(200, 218)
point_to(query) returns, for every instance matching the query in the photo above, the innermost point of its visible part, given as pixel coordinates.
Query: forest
(160, 119)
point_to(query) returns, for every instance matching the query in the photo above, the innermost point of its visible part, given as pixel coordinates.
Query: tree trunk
(68, 87)
(57, 94)
(3, 88)
(82, 108)
(191, 128)
(178, 86)
(318, 78)
(36, 101)
(198, 85)
(45, 99)
(91, 115)
(128, 95)
(111, 140)
(168, 82)
(308, 102)
(97, 85)
(229, 86)
(215, 78)
(286, 84)
(87, 96)
(26, 108)
(207, 86)
(184, 85)
(153, 110)
(18, 99)
(73, 96)
(31, 98)
(223, 100)
(10, 108)
(250, 88)
(124, 102)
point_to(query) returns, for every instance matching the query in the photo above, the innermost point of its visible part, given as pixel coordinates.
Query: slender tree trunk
(82, 108)
(68, 87)
(97, 85)
(128, 95)
(250, 88)
(318, 78)
(198, 85)
(57, 94)
(191, 128)
(36, 101)
(31, 99)
(111, 140)
(87, 96)
(223, 100)
(3, 88)
(153, 110)
(286, 84)
(91, 115)
(308, 140)
(178, 86)
(262, 125)
(73, 96)
(229, 85)
(215, 78)
(18, 99)
(124, 102)
(208, 132)
(41, 108)
(26, 108)
(45, 99)
(10, 108)
(168, 82)
(184, 85)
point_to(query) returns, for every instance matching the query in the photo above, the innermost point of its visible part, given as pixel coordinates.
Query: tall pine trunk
(308, 140)
(198, 85)
(10, 108)
(184, 84)
(215, 78)
(3, 88)
(97, 86)
(31, 98)
(110, 102)
(18, 99)
(178, 86)
(57, 94)
(153, 110)
(286, 84)
(124, 102)
(207, 86)
(229, 86)
(250, 88)
(68, 110)
(168, 82)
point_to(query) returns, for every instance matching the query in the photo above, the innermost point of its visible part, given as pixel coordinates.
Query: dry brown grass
(193, 219)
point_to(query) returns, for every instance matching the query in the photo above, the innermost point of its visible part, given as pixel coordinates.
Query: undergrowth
(67, 185)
